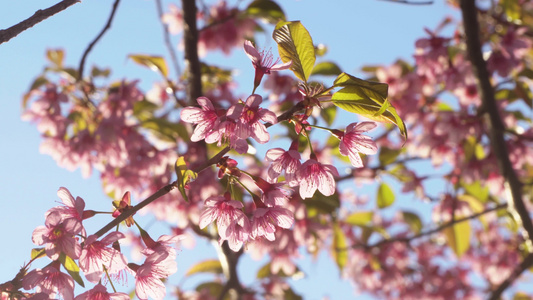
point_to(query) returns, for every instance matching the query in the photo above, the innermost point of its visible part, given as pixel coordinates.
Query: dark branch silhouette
(410, 2)
(496, 130)
(430, 232)
(38, 16)
(98, 37)
(168, 44)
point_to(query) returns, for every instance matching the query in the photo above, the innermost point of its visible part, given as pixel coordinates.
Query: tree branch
(168, 44)
(495, 126)
(523, 266)
(38, 16)
(192, 62)
(410, 2)
(98, 37)
(130, 212)
(430, 232)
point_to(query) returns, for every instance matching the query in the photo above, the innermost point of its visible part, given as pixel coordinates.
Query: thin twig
(130, 212)
(410, 2)
(166, 36)
(494, 123)
(523, 266)
(91, 45)
(38, 16)
(430, 232)
(173, 57)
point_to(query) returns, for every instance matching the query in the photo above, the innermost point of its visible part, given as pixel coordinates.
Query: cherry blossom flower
(313, 175)
(226, 31)
(248, 119)
(232, 223)
(206, 117)
(287, 161)
(354, 142)
(73, 209)
(50, 281)
(148, 275)
(263, 62)
(99, 292)
(58, 235)
(96, 254)
(265, 220)
(273, 193)
(46, 111)
(226, 132)
(173, 19)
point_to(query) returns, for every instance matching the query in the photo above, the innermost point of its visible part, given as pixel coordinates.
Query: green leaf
(321, 50)
(295, 43)
(523, 91)
(37, 83)
(413, 220)
(163, 128)
(475, 205)
(512, 10)
(326, 68)
(154, 63)
(385, 196)
(37, 253)
(206, 266)
(184, 176)
(340, 248)
(458, 237)
(366, 98)
(521, 296)
(289, 294)
(267, 10)
(322, 204)
(475, 189)
(72, 268)
(264, 272)
(56, 56)
(214, 289)
(328, 114)
(387, 155)
(361, 218)
(97, 72)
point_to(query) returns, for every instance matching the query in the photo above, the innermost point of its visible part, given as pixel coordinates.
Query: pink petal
(268, 116)
(192, 115)
(207, 217)
(205, 103)
(254, 101)
(112, 237)
(66, 197)
(251, 52)
(280, 67)
(361, 126)
(274, 153)
(326, 184)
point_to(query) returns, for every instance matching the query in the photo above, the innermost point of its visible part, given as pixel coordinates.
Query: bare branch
(523, 266)
(493, 121)
(123, 216)
(410, 2)
(166, 36)
(190, 36)
(38, 16)
(430, 232)
(98, 37)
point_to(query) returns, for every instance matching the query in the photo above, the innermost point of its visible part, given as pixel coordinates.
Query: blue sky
(361, 32)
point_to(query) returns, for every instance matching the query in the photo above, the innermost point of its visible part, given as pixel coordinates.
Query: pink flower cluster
(103, 136)
(60, 237)
(233, 126)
